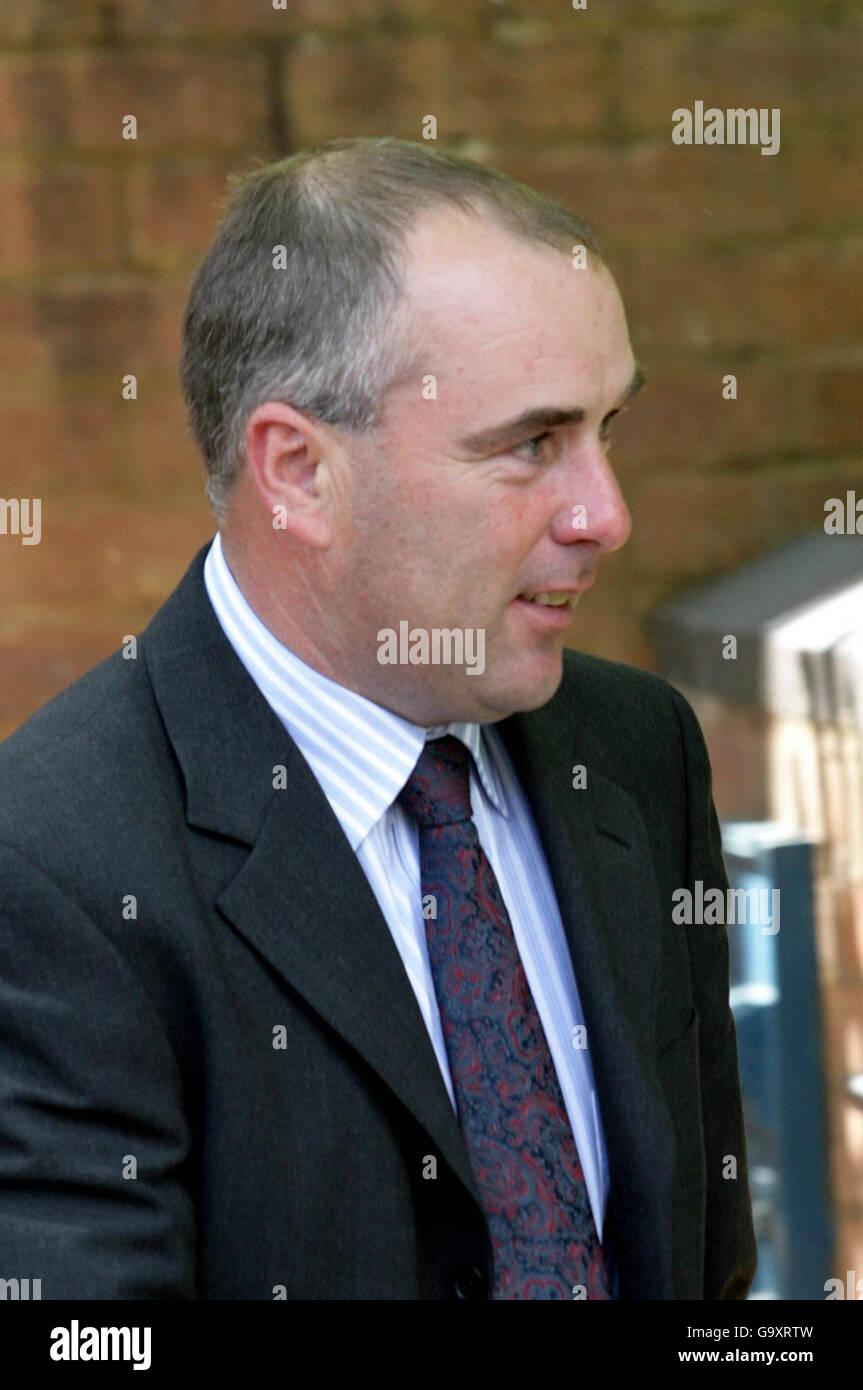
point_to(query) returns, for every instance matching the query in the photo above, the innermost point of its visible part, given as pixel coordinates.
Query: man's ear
(286, 457)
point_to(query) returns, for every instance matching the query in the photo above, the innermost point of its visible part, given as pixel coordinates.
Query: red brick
(381, 85)
(98, 574)
(93, 444)
(184, 99)
(698, 524)
(680, 419)
(97, 553)
(62, 445)
(630, 13)
(173, 208)
(644, 190)
(609, 620)
(162, 458)
(58, 216)
(23, 346)
(808, 70)
(336, 14)
(824, 181)
(48, 21)
(746, 298)
(109, 324)
(45, 659)
(57, 22)
(832, 407)
(209, 18)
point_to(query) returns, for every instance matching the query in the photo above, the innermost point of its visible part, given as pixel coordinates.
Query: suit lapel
(598, 856)
(302, 899)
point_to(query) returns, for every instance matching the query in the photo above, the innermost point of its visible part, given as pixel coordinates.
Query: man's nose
(594, 510)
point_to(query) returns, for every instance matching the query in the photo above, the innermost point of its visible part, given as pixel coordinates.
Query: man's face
(454, 513)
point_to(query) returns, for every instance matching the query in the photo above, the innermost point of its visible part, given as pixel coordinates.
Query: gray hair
(324, 334)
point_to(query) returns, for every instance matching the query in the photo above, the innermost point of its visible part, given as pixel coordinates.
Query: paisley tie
(510, 1108)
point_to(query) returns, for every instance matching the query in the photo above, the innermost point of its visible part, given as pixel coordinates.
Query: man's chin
(530, 688)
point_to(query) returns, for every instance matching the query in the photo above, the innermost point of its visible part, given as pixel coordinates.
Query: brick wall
(729, 262)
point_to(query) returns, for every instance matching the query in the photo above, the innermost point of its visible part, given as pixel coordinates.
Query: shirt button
(469, 1281)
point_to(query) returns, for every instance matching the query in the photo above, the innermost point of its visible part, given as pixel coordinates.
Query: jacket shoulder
(603, 690)
(635, 723)
(74, 751)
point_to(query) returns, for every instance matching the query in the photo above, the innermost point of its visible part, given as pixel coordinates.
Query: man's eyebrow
(535, 421)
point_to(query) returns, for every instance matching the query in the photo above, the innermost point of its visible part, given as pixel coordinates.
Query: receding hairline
(414, 313)
(339, 166)
(488, 215)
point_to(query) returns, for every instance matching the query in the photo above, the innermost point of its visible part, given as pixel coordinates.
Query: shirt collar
(361, 753)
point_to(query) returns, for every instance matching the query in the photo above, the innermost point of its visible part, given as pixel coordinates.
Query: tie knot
(438, 790)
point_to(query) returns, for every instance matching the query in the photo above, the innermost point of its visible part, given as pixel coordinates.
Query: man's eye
(605, 428)
(534, 446)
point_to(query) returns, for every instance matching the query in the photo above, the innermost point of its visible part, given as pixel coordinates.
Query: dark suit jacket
(145, 1031)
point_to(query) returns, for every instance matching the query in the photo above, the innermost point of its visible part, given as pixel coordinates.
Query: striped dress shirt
(362, 756)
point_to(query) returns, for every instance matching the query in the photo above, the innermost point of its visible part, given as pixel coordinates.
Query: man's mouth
(549, 611)
(553, 598)
(552, 608)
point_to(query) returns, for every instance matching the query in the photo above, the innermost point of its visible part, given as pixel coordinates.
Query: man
(341, 966)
